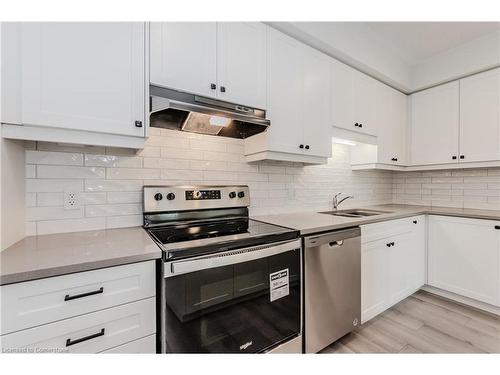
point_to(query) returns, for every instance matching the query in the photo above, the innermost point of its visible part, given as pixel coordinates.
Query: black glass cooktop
(191, 239)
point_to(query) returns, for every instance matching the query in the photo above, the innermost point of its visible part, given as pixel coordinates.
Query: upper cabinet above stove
(298, 104)
(224, 60)
(75, 82)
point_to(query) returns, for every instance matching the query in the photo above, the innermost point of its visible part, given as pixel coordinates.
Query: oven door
(240, 301)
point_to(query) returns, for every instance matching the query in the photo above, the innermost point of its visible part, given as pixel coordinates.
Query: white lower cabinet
(89, 333)
(85, 312)
(393, 255)
(144, 345)
(464, 257)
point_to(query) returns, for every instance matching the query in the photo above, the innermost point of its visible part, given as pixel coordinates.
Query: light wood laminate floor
(424, 323)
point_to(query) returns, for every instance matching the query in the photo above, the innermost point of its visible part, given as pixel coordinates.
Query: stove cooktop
(188, 240)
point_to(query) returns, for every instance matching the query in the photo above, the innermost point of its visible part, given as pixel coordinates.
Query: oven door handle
(229, 257)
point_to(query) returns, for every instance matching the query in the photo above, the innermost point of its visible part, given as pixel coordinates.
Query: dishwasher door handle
(336, 243)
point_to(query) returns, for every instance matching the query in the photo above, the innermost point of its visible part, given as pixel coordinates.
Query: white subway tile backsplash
(113, 210)
(30, 171)
(58, 171)
(113, 161)
(132, 173)
(70, 225)
(124, 221)
(42, 185)
(53, 158)
(124, 197)
(113, 185)
(51, 213)
(31, 200)
(50, 199)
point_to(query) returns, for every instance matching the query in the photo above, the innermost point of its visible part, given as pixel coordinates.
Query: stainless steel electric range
(229, 284)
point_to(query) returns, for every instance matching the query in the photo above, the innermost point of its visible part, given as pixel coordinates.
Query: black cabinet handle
(138, 124)
(301, 146)
(462, 156)
(307, 147)
(70, 342)
(414, 221)
(356, 124)
(69, 298)
(454, 157)
(394, 159)
(213, 86)
(222, 89)
(360, 125)
(390, 244)
(497, 226)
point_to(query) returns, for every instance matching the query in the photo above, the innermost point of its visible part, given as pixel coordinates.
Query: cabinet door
(315, 93)
(434, 125)
(241, 63)
(392, 125)
(285, 93)
(85, 76)
(184, 56)
(375, 278)
(480, 117)
(341, 96)
(464, 257)
(364, 110)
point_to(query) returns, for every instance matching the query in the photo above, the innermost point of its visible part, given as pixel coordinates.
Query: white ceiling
(415, 42)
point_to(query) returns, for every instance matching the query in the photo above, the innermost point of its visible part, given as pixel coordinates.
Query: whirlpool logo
(246, 345)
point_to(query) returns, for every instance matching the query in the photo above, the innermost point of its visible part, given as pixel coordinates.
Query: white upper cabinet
(392, 125)
(464, 257)
(184, 56)
(241, 63)
(480, 117)
(285, 89)
(434, 124)
(315, 117)
(353, 98)
(83, 76)
(298, 104)
(225, 60)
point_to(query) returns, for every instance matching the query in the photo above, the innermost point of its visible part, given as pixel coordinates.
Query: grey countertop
(37, 257)
(314, 222)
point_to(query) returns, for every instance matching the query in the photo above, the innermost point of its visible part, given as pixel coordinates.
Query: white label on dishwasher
(279, 284)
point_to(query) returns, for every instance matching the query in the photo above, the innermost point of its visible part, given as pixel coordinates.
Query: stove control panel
(202, 194)
(181, 198)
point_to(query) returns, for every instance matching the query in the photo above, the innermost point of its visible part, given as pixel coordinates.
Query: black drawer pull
(388, 244)
(69, 342)
(497, 226)
(69, 298)
(414, 221)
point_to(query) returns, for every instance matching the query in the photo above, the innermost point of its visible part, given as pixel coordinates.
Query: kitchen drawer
(144, 345)
(384, 229)
(89, 333)
(37, 302)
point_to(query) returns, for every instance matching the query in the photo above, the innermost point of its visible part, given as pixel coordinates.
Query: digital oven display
(194, 195)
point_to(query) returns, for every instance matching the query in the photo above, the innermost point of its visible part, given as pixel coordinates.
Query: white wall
(12, 192)
(110, 180)
(472, 57)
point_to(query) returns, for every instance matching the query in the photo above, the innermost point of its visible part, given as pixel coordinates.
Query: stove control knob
(241, 194)
(170, 196)
(232, 195)
(197, 194)
(158, 197)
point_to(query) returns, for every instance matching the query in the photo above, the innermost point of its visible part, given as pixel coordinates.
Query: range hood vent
(177, 110)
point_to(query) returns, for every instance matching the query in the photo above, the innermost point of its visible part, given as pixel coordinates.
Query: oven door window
(241, 308)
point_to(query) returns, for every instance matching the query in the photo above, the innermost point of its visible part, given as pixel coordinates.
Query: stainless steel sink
(354, 213)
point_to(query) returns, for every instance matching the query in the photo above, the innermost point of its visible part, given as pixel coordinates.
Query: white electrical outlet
(71, 200)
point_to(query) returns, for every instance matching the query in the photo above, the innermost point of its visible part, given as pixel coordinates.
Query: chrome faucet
(337, 202)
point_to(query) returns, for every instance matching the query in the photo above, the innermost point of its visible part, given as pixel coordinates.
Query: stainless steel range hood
(177, 110)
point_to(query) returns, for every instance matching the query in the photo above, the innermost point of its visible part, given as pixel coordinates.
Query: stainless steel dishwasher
(332, 283)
